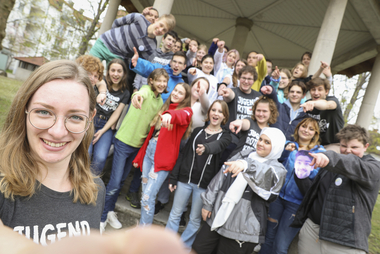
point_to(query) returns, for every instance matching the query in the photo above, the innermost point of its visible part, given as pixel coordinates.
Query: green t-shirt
(136, 124)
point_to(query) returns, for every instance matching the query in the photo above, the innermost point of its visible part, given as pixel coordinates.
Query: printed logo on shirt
(251, 140)
(323, 124)
(244, 107)
(111, 103)
(51, 233)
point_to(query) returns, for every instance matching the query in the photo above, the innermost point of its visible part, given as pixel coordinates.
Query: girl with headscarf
(235, 208)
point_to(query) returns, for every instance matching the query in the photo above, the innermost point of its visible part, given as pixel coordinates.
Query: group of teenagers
(258, 160)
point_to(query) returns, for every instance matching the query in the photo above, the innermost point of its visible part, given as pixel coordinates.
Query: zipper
(192, 163)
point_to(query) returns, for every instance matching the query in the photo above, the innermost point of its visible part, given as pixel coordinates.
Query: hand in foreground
(137, 101)
(234, 167)
(319, 160)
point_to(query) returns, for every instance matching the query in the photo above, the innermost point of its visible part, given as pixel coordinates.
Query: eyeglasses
(43, 119)
(246, 79)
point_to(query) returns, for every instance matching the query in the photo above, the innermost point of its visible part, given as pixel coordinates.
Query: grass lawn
(9, 87)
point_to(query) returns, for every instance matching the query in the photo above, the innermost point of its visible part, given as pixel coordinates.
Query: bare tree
(5, 9)
(102, 5)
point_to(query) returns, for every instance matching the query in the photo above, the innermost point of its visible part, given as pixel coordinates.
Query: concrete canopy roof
(282, 29)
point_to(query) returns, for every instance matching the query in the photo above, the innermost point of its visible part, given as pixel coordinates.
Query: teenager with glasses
(47, 190)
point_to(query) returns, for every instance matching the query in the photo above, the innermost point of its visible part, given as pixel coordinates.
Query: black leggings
(208, 242)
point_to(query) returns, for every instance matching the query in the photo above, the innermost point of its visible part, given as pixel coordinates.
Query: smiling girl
(168, 127)
(281, 212)
(108, 113)
(195, 167)
(46, 184)
(207, 65)
(224, 63)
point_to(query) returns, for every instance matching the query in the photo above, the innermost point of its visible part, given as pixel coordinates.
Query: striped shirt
(128, 32)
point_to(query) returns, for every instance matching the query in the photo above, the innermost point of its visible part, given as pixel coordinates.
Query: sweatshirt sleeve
(144, 67)
(265, 179)
(218, 146)
(364, 171)
(181, 117)
(213, 48)
(218, 58)
(126, 20)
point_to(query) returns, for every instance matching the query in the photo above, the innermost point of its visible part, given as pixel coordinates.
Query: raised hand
(276, 73)
(226, 92)
(137, 101)
(259, 57)
(290, 147)
(165, 120)
(324, 65)
(307, 106)
(135, 57)
(193, 71)
(234, 167)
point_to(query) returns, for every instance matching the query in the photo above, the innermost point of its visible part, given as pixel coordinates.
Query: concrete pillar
(113, 6)
(163, 7)
(371, 93)
(243, 26)
(328, 34)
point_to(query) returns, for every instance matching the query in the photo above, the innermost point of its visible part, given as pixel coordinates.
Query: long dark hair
(123, 81)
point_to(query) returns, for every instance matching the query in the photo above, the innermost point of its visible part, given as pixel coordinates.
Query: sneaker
(159, 206)
(182, 223)
(102, 227)
(128, 196)
(113, 221)
(135, 200)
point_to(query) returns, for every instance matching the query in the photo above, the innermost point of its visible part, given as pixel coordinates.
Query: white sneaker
(113, 221)
(102, 227)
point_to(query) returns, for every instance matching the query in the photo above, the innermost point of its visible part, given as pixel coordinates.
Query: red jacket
(168, 141)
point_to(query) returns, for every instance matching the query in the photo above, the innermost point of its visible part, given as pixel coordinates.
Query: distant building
(52, 29)
(27, 65)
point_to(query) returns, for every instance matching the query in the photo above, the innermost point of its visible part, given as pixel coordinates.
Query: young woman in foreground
(47, 190)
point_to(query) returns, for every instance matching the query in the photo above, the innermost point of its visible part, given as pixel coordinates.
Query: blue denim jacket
(290, 191)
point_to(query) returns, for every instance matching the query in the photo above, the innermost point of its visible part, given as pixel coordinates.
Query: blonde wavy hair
(18, 167)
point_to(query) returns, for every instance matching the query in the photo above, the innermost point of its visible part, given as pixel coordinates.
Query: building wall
(38, 28)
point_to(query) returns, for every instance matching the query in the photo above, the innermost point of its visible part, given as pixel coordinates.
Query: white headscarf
(236, 190)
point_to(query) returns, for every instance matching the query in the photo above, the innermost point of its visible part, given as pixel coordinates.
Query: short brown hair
(248, 69)
(154, 75)
(315, 140)
(225, 111)
(272, 108)
(91, 64)
(317, 82)
(354, 131)
(298, 83)
(170, 21)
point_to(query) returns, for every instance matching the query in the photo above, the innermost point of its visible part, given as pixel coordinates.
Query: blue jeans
(136, 181)
(150, 189)
(100, 150)
(181, 198)
(121, 165)
(280, 235)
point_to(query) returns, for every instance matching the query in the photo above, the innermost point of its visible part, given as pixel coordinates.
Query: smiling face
(94, 77)
(56, 144)
(295, 94)
(264, 146)
(200, 54)
(116, 72)
(298, 71)
(306, 132)
(177, 46)
(353, 146)
(168, 43)
(246, 81)
(284, 80)
(152, 16)
(177, 64)
(231, 58)
(262, 113)
(207, 65)
(239, 66)
(160, 27)
(216, 115)
(178, 94)
(252, 59)
(159, 84)
(306, 60)
(318, 93)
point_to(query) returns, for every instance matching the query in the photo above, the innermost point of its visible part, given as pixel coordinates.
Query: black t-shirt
(249, 138)
(200, 160)
(240, 107)
(330, 121)
(114, 98)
